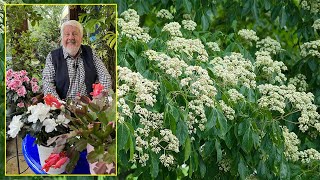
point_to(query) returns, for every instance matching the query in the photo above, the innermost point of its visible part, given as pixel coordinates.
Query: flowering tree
(208, 104)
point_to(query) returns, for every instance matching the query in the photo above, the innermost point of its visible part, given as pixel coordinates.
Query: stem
(283, 116)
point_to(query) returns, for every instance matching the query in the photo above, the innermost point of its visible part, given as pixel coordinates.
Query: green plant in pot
(94, 124)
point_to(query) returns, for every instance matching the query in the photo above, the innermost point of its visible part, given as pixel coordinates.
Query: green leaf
(218, 149)
(187, 4)
(204, 22)
(140, 64)
(167, 84)
(221, 125)
(208, 148)
(283, 17)
(123, 135)
(211, 118)
(187, 149)
(203, 168)
(182, 132)
(284, 171)
(242, 168)
(154, 165)
(81, 145)
(131, 146)
(313, 65)
(247, 141)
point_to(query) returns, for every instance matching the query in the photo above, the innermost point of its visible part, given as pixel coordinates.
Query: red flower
(60, 162)
(55, 161)
(52, 101)
(97, 89)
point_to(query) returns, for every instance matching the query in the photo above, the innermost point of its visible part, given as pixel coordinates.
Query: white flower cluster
(189, 25)
(131, 15)
(270, 69)
(197, 82)
(38, 113)
(124, 108)
(291, 143)
(149, 122)
(227, 110)
(270, 45)
(188, 46)
(122, 90)
(163, 13)
(145, 89)
(196, 116)
(166, 160)
(234, 70)
(308, 155)
(316, 24)
(292, 151)
(167, 142)
(171, 66)
(15, 126)
(248, 34)
(213, 46)
(235, 96)
(311, 5)
(156, 56)
(173, 28)
(310, 48)
(170, 139)
(225, 163)
(299, 81)
(201, 86)
(129, 24)
(274, 98)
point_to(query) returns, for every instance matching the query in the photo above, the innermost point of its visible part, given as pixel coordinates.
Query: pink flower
(97, 89)
(23, 73)
(26, 79)
(9, 73)
(20, 104)
(34, 79)
(35, 88)
(21, 91)
(14, 84)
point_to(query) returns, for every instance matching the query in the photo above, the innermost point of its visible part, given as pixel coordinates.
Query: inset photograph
(60, 89)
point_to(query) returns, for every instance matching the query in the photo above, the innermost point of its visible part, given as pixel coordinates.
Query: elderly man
(73, 68)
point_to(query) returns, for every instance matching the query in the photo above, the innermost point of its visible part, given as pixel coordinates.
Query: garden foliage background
(253, 134)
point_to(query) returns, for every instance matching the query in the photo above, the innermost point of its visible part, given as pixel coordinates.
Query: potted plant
(93, 128)
(42, 121)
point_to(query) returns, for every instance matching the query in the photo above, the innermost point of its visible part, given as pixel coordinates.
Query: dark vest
(61, 79)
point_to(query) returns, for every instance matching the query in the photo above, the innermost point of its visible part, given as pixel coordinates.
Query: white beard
(72, 51)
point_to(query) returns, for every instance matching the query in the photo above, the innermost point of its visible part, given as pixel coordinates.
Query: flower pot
(44, 153)
(91, 165)
(108, 168)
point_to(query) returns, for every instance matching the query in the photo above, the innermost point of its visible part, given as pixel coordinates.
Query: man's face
(71, 39)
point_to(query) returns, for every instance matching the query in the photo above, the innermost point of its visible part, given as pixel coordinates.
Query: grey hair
(72, 23)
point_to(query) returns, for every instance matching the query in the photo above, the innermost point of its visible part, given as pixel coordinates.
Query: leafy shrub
(188, 109)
